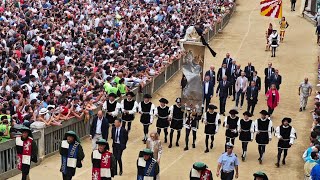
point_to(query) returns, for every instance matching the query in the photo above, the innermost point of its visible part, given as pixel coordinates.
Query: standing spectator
(252, 97)
(227, 163)
(222, 91)
(241, 88)
(155, 145)
(276, 79)
(212, 74)
(207, 91)
(305, 90)
(119, 143)
(249, 70)
(99, 129)
(268, 73)
(315, 172)
(71, 155)
(183, 82)
(308, 165)
(272, 98)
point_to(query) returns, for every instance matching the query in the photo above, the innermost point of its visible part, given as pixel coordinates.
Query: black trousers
(266, 86)
(262, 150)
(145, 131)
(273, 51)
(223, 101)
(232, 90)
(129, 125)
(270, 110)
(206, 99)
(194, 136)
(285, 153)
(66, 177)
(207, 140)
(178, 135)
(227, 176)
(25, 176)
(251, 106)
(165, 130)
(228, 140)
(240, 93)
(117, 152)
(293, 5)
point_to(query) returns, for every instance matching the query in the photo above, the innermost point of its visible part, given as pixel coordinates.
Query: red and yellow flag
(271, 8)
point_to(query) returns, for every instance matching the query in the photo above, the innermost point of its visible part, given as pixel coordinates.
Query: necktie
(276, 77)
(252, 91)
(117, 134)
(269, 72)
(224, 83)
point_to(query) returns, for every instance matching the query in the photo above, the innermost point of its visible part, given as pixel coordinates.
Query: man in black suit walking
(120, 138)
(207, 91)
(223, 71)
(212, 74)
(252, 96)
(222, 90)
(256, 79)
(268, 73)
(276, 79)
(99, 129)
(249, 70)
(227, 60)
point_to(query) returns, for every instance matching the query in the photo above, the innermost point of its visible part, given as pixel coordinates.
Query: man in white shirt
(98, 129)
(241, 88)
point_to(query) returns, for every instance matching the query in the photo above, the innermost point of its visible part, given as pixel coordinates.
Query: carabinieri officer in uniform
(211, 120)
(162, 112)
(227, 163)
(246, 130)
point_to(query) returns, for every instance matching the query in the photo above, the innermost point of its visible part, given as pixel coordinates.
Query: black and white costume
(211, 121)
(286, 136)
(246, 130)
(163, 120)
(146, 109)
(263, 129)
(231, 124)
(176, 116)
(191, 124)
(113, 108)
(274, 40)
(128, 108)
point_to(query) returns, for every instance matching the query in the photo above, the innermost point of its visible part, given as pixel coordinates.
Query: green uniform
(122, 88)
(106, 86)
(116, 79)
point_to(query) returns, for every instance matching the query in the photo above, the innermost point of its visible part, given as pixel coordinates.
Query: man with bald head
(305, 90)
(222, 91)
(99, 129)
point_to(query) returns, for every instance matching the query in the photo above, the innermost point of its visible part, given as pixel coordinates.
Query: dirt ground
(244, 39)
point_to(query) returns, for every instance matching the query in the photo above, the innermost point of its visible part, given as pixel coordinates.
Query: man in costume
(246, 130)
(283, 26)
(274, 40)
(231, 124)
(211, 121)
(146, 109)
(260, 176)
(104, 165)
(111, 107)
(176, 116)
(162, 112)
(191, 124)
(27, 151)
(286, 135)
(71, 155)
(128, 108)
(263, 127)
(200, 171)
(148, 168)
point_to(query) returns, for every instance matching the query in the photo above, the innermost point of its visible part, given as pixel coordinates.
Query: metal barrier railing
(8, 159)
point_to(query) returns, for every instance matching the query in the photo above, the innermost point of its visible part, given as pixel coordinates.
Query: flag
(271, 8)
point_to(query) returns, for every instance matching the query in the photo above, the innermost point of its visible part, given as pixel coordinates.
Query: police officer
(227, 163)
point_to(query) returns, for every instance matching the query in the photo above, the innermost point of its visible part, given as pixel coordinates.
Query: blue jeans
(238, 96)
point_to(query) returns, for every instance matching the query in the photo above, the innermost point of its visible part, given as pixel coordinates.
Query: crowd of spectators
(60, 59)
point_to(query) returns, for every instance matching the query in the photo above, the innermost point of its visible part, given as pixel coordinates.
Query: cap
(199, 166)
(261, 174)
(164, 100)
(102, 142)
(229, 144)
(147, 151)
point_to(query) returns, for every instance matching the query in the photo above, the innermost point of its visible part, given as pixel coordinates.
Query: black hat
(199, 166)
(247, 113)
(233, 111)
(130, 94)
(286, 119)
(264, 112)
(260, 174)
(164, 100)
(178, 100)
(211, 106)
(147, 96)
(112, 95)
(26, 129)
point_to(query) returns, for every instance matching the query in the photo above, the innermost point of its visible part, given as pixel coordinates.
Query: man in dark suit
(276, 79)
(222, 91)
(99, 129)
(223, 71)
(207, 91)
(227, 60)
(234, 72)
(249, 70)
(256, 79)
(212, 74)
(268, 73)
(120, 139)
(252, 96)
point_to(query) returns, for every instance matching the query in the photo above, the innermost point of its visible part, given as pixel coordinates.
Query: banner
(271, 8)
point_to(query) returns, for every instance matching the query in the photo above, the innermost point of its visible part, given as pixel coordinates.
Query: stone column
(308, 8)
(39, 126)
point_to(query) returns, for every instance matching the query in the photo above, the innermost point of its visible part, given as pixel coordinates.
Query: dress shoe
(284, 162)
(170, 146)
(177, 144)
(243, 158)
(186, 149)
(223, 114)
(206, 151)
(193, 146)
(304, 108)
(211, 145)
(120, 173)
(233, 99)
(260, 161)
(277, 164)
(300, 109)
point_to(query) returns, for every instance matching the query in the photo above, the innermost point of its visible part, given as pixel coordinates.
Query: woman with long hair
(273, 98)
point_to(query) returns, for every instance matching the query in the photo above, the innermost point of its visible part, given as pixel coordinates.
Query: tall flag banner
(271, 8)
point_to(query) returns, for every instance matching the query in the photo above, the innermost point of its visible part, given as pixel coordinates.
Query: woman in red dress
(273, 98)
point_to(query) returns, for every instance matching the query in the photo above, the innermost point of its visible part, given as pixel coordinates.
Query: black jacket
(123, 137)
(219, 75)
(225, 61)
(249, 73)
(266, 74)
(210, 88)
(252, 95)
(223, 89)
(258, 82)
(277, 80)
(104, 127)
(212, 78)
